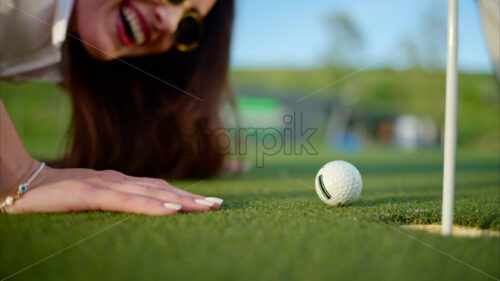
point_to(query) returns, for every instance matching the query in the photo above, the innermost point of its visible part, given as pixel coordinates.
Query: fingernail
(215, 200)
(204, 202)
(172, 206)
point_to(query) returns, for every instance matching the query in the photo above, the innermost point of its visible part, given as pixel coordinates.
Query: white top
(31, 36)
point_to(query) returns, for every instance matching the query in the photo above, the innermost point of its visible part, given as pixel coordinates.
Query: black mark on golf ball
(322, 187)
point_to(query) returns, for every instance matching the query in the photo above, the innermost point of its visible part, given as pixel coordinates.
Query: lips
(132, 27)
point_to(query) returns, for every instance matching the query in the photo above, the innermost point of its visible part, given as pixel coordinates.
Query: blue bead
(22, 188)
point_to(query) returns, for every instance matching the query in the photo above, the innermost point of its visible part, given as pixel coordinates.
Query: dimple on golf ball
(338, 183)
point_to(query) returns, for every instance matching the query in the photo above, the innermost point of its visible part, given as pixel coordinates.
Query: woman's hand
(74, 190)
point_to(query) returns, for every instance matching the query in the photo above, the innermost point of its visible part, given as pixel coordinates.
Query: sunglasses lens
(173, 2)
(189, 32)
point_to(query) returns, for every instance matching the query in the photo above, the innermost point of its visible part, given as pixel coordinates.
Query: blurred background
(366, 74)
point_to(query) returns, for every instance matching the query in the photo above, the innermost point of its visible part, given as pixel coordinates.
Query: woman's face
(128, 28)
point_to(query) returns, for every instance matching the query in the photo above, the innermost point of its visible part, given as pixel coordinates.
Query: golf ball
(338, 183)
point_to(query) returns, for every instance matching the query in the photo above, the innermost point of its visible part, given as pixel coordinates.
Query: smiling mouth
(132, 27)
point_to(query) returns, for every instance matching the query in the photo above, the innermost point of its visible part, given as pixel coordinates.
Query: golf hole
(457, 230)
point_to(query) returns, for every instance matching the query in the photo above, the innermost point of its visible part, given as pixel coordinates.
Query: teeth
(133, 22)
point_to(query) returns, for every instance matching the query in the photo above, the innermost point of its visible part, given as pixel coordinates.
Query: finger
(162, 184)
(188, 204)
(155, 182)
(217, 202)
(159, 183)
(116, 201)
(213, 202)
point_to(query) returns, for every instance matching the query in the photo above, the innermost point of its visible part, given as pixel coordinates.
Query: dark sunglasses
(190, 29)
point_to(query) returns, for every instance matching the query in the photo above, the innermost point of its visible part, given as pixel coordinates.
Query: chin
(103, 51)
(101, 56)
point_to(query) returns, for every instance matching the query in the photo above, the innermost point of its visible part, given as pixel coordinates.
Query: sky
(294, 34)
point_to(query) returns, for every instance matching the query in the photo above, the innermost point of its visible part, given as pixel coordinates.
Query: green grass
(41, 114)
(273, 227)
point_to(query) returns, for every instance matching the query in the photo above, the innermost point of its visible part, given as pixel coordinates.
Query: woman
(146, 79)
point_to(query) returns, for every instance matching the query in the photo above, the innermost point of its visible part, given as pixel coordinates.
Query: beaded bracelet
(9, 200)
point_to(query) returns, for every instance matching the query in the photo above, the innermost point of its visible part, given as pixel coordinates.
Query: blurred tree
(410, 56)
(425, 47)
(346, 40)
(434, 35)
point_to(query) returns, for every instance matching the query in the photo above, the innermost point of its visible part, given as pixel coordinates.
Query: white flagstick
(450, 124)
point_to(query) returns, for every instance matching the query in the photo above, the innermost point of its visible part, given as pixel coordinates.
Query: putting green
(273, 227)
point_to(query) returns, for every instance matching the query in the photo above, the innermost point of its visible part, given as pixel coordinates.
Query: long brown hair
(136, 116)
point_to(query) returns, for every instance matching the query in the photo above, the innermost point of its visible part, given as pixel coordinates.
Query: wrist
(14, 174)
